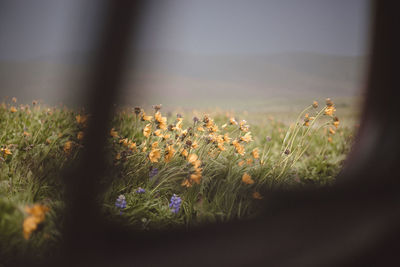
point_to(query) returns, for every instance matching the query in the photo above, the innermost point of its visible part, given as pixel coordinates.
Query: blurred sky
(31, 29)
(190, 49)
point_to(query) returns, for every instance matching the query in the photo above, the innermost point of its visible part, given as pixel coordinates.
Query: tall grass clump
(163, 171)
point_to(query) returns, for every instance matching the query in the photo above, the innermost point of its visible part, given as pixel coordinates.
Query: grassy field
(167, 169)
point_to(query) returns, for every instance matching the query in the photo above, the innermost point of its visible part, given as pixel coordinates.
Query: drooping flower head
(175, 203)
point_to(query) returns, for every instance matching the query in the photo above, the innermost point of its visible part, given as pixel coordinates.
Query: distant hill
(172, 77)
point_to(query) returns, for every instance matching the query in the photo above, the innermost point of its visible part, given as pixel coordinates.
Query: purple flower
(175, 204)
(140, 190)
(153, 173)
(120, 203)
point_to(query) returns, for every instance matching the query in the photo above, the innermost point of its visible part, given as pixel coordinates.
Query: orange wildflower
(147, 130)
(247, 137)
(113, 133)
(81, 119)
(80, 135)
(36, 215)
(257, 195)
(170, 151)
(255, 153)
(247, 179)
(67, 147)
(154, 155)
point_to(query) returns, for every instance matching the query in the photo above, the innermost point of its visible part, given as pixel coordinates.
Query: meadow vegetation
(167, 169)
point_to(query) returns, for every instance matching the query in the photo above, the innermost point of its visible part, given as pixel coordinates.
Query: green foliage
(41, 142)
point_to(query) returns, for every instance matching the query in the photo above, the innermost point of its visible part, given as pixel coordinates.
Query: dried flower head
(329, 102)
(137, 110)
(157, 107)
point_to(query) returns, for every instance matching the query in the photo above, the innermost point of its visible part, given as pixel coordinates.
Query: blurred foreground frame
(355, 222)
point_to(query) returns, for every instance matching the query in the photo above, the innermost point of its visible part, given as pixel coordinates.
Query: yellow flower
(239, 148)
(158, 133)
(13, 109)
(113, 133)
(162, 121)
(145, 117)
(5, 151)
(331, 131)
(67, 147)
(197, 164)
(257, 195)
(184, 152)
(224, 126)
(330, 139)
(158, 116)
(196, 177)
(29, 225)
(247, 137)
(249, 161)
(124, 142)
(170, 151)
(14, 99)
(154, 145)
(221, 146)
(243, 126)
(255, 153)
(147, 130)
(227, 138)
(154, 155)
(329, 110)
(192, 158)
(80, 135)
(336, 122)
(36, 216)
(247, 179)
(315, 104)
(232, 121)
(200, 129)
(81, 119)
(195, 145)
(241, 163)
(132, 146)
(186, 183)
(306, 120)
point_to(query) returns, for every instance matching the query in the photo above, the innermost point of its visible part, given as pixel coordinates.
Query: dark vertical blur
(84, 231)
